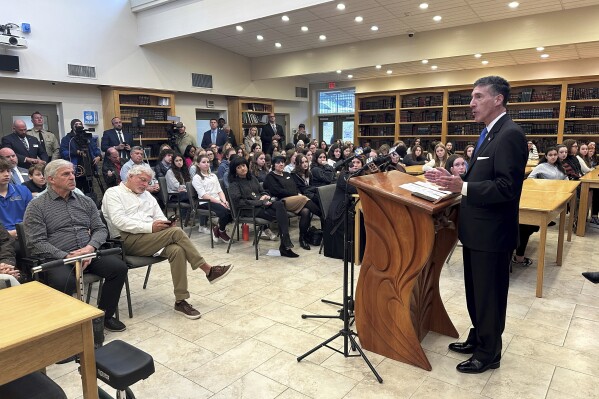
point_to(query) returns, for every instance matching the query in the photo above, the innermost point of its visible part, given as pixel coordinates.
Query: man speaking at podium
(488, 223)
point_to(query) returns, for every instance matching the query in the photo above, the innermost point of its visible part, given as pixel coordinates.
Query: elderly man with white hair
(133, 214)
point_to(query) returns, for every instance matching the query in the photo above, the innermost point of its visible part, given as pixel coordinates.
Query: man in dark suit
(111, 167)
(271, 131)
(28, 149)
(115, 137)
(214, 135)
(18, 175)
(488, 222)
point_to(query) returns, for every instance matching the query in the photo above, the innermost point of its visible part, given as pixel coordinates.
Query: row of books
(257, 107)
(247, 117)
(146, 113)
(459, 99)
(460, 115)
(589, 111)
(421, 116)
(387, 117)
(381, 103)
(581, 128)
(422, 101)
(420, 130)
(150, 131)
(136, 100)
(583, 93)
(537, 113)
(466, 130)
(377, 131)
(529, 94)
(539, 128)
(543, 144)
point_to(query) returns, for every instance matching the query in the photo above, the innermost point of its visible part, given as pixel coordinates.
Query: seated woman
(533, 154)
(301, 177)
(415, 158)
(583, 158)
(468, 151)
(280, 185)
(37, 181)
(165, 161)
(322, 172)
(193, 169)
(208, 188)
(244, 190)
(290, 161)
(334, 154)
(394, 163)
(258, 166)
(570, 163)
(456, 165)
(449, 148)
(214, 162)
(190, 152)
(241, 152)
(439, 158)
(176, 177)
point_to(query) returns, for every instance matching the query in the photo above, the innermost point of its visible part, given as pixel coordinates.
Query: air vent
(201, 80)
(301, 92)
(82, 71)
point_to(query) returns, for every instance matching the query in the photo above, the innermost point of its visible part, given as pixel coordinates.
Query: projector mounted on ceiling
(9, 40)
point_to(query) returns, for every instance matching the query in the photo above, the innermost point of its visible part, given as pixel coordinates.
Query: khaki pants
(177, 248)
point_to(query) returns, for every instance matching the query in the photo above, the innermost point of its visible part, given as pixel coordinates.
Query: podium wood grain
(407, 240)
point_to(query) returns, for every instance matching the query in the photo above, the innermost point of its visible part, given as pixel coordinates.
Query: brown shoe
(224, 237)
(187, 310)
(218, 272)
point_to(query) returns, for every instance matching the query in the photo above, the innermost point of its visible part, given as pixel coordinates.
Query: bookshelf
(245, 113)
(581, 116)
(421, 115)
(154, 107)
(377, 118)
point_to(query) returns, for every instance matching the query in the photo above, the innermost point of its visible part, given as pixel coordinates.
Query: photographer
(82, 151)
(184, 139)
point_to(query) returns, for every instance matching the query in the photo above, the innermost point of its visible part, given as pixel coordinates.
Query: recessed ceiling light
(285, 18)
(389, 72)
(433, 67)
(513, 4)
(304, 28)
(341, 6)
(358, 19)
(239, 28)
(322, 37)
(437, 18)
(544, 55)
(425, 61)
(350, 76)
(378, 67)
(278, 45)
(478, 55)
(259, 37)
(339, 71)
(484, 62)
(540, 48)
(374, 28)
(423, 6)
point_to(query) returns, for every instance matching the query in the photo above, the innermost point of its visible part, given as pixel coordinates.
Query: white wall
(299, 112)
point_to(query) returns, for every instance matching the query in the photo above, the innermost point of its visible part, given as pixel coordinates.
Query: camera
(411, 34)
(173, 131)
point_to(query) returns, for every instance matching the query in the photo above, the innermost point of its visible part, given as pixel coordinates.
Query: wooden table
(538, 209)
(41, 326)
(588, 181)
(553, 186)
(414, 170)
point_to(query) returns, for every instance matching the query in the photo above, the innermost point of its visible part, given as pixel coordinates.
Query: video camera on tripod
(173, 131)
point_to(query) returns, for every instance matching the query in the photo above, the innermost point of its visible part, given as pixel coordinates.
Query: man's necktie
(120, 134)
(42, 142)
(214, 137)
(25, 143)
(482, 137)
(15, 177)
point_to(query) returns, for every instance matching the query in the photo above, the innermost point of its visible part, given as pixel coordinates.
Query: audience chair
(177, 205)
(195, 203)
(325, 194)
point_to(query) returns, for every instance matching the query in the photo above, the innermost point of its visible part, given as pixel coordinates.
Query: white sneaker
(269, 235)
(204, 230)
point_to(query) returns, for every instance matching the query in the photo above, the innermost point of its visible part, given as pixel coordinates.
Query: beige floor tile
(444, 369)
(551, 313)
(518, 377)
(583, 335)
(225, 338)
(399, 381)
(578, 385)
(251, 386)
(354, 365)
(181, 326)
(306, 377)
(135, 333)
(535, 330)
(232, 365)
(435, 389)
(287, 296)
(165, 383)
(553, 394)
(234, 311)
(288, 315)
(292, 394)
(587, 312)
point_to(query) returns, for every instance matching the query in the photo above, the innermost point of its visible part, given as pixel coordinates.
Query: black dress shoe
(474, 366)
(304, 244)
(287, 252)
(114, 325)
(593, 277)
(286, 241)
(462, 347)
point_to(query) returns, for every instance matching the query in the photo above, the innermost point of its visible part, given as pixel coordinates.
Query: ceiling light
(374, 28)
(339, 71)
(389, 72)
(259, 37)
(341, 6)
(540, 48)
(358, 19)
(433, 67)
(304, 28)
(484, 62)
(513, 4)
(239, 28)
(425, 61)
(322, 37)
(478, 55)
(285, 18)
(350, 76)
(378, 67)
(544, 55)
(278, 45)
(423, 6)
(437, 18)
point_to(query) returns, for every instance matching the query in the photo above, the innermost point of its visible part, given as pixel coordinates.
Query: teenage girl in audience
(190, 152)
(583, 158)
(571, 164)
(593, 155)
(280, 185)
(449, 148)
(165, 161)
(290, 161)
(394, 163)
(430, 154)
(456, 165)
(176, 177)
(439, 158)
(213, 160)
(208, 188)
(415, 158)
(301, 176)
(193, 169)
(251, 139)
(468, 151)
(258, 166)
(322, 172)
(241, 152)
(346, 152)
(309, 155)
(299, 146)
(414, 144)
(323, 146)
(384, 150)
(533, 154)
(275, 148)
(244, 190)
(334, 154)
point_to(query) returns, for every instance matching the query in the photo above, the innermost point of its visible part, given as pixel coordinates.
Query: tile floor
(246, 343)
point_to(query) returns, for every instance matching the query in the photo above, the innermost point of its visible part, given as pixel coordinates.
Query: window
(336, 101)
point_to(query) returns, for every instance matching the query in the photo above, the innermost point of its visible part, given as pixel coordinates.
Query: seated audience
(394, 163)
(176, 177)
(165, 161)
(416, 157)
(468, 151)
(449, 148)
(439, 158)
(8, 269)
(223, 168)
(456, 165)
(18, 175)
(37, 181)
(334, 154)
(60, 224)
(214, 162)
(322, 172)
(583, 158)
(301, 177)
(111, 167)
(258, 166)
(290, 161)
(533, 154)
(241, 152)
(14, 199)
(415, 142)
(190, 152)
(570, 162)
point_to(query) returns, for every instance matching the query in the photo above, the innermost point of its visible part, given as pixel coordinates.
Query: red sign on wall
(332, 85)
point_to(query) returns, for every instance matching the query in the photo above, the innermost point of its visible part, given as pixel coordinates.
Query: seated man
(19, 175)
(59, 225)
(133, 214)
(111, 167)
(37, 181)
(14, 199)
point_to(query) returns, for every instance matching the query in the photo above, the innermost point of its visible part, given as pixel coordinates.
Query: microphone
(371, 164)
(341, 164)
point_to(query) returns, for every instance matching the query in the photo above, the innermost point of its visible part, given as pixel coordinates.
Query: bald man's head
(9, 155)
(19, 127)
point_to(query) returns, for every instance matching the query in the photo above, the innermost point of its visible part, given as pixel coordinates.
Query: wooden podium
(407, 242)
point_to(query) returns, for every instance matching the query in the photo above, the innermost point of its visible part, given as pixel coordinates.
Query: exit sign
(332, 85)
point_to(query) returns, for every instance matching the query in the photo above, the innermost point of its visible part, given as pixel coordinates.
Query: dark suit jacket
(489, 213)
(36, 150)
(266, 137)
(115, 179)
(111, 139)
(221, 139)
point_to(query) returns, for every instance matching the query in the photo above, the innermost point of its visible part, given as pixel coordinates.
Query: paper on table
(427, 189)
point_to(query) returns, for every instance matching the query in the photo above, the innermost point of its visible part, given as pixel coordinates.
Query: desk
(538, 209)
(414, 170)
(41, 326)
(553, 186)
(588, 181)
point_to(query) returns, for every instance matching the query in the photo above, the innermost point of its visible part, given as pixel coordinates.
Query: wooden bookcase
(245, 113)
(154, 107)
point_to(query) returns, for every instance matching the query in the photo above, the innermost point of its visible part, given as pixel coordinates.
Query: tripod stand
(346, 312)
